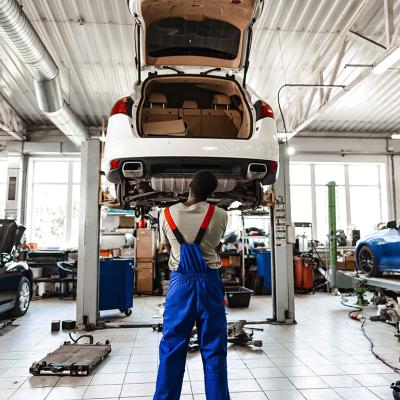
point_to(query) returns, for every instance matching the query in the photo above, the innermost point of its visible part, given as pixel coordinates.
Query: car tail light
(123, 106)
(114, 164)
(273, 166)
(263, 110)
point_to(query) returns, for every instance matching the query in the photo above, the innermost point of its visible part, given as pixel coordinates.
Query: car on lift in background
(380, 251)
(15, 276)
(194, 110)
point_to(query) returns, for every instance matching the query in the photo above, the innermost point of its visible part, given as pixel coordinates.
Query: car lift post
(87, 309)
(281, 246)
(332, 235)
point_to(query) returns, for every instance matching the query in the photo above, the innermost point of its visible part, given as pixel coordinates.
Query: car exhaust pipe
(133, 169)
(256, 171)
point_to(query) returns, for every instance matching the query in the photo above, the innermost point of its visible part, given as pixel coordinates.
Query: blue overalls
(195, 295)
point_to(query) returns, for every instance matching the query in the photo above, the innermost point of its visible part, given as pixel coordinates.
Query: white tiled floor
(323, 357)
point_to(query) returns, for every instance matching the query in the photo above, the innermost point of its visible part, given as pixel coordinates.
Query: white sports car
(193, 110)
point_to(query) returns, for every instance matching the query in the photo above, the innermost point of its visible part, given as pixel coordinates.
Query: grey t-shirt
(188, 221)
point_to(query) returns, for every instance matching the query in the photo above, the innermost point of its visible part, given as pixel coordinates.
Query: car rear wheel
(23, 298)
(367, 261)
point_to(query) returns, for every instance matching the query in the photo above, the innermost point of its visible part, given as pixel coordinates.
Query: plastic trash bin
(238, 296)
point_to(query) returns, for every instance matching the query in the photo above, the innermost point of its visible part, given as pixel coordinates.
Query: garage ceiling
(92, 43)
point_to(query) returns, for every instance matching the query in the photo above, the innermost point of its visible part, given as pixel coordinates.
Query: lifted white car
(194, 110)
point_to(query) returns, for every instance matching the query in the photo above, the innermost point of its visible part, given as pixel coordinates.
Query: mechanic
(191, 232)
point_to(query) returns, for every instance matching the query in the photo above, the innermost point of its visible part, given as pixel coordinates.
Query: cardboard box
(144, 265)
(234, 261)
(346, 263)
(145, 244)
(350, 263)
(144, 278)
(126, 222)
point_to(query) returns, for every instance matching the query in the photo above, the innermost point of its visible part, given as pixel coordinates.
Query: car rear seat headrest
(190, 104)
(221, 100)
(158, 98)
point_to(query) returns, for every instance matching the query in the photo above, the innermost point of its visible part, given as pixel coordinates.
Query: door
(10, 277)
(391, 249)
(201, 33)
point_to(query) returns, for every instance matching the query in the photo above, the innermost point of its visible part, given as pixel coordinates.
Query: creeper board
(72, 359)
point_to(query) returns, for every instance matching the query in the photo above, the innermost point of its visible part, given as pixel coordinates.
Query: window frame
(382, 186)
(70, 185)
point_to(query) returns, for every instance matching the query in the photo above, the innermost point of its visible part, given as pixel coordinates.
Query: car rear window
(179, 37)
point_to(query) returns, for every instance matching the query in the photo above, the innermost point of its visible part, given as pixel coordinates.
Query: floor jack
(238, 335)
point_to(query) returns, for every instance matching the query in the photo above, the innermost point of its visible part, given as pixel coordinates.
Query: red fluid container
(303, 273)
(308, 274)
(298, 273)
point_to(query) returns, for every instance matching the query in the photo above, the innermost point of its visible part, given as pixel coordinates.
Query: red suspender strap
(172, 225)
(207, 219)
(170, 221)
(205, 224)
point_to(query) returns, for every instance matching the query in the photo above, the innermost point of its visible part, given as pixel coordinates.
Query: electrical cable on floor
(354, 307)
(395, 369)
(90, 337)
(372, 345)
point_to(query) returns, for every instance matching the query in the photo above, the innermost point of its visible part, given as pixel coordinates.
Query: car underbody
(164, 181)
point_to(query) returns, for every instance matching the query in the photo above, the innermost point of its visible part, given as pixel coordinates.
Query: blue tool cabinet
(116, 285)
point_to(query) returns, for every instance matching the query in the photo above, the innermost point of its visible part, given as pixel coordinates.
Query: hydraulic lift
(87, 310)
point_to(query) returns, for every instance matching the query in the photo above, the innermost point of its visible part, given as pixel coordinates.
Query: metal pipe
(18, 32)
(332, 233)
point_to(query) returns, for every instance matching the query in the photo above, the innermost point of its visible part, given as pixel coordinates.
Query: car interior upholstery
(205, 105)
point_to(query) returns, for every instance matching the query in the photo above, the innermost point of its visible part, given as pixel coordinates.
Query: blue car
(380, 251)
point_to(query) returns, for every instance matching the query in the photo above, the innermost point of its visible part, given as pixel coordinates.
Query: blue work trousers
(195, 296)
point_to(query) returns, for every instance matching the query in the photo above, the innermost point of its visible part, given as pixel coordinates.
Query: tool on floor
(55, 325)
(360, 297)
(238, 335)
(72, 358)
(68, 325)
(396, 390)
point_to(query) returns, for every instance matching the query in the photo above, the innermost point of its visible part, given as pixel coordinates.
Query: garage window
(361, 197)
(53, 202)
(3, 182)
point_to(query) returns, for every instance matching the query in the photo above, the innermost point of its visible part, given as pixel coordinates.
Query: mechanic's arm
(163, 237)
(167, 247)
(224, 226)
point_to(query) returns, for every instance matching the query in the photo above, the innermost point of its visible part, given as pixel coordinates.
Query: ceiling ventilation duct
(20, 35)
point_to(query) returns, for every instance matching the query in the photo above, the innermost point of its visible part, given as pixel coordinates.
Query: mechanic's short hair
(203, 185)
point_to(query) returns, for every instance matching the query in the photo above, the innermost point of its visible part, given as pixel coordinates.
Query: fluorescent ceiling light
(291, 150)
(396, 136)
(387, 62)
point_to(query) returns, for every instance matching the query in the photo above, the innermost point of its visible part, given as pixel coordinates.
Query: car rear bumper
(236, 168)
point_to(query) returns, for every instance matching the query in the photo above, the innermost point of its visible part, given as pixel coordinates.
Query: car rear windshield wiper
(210, 70)
(173, 69)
